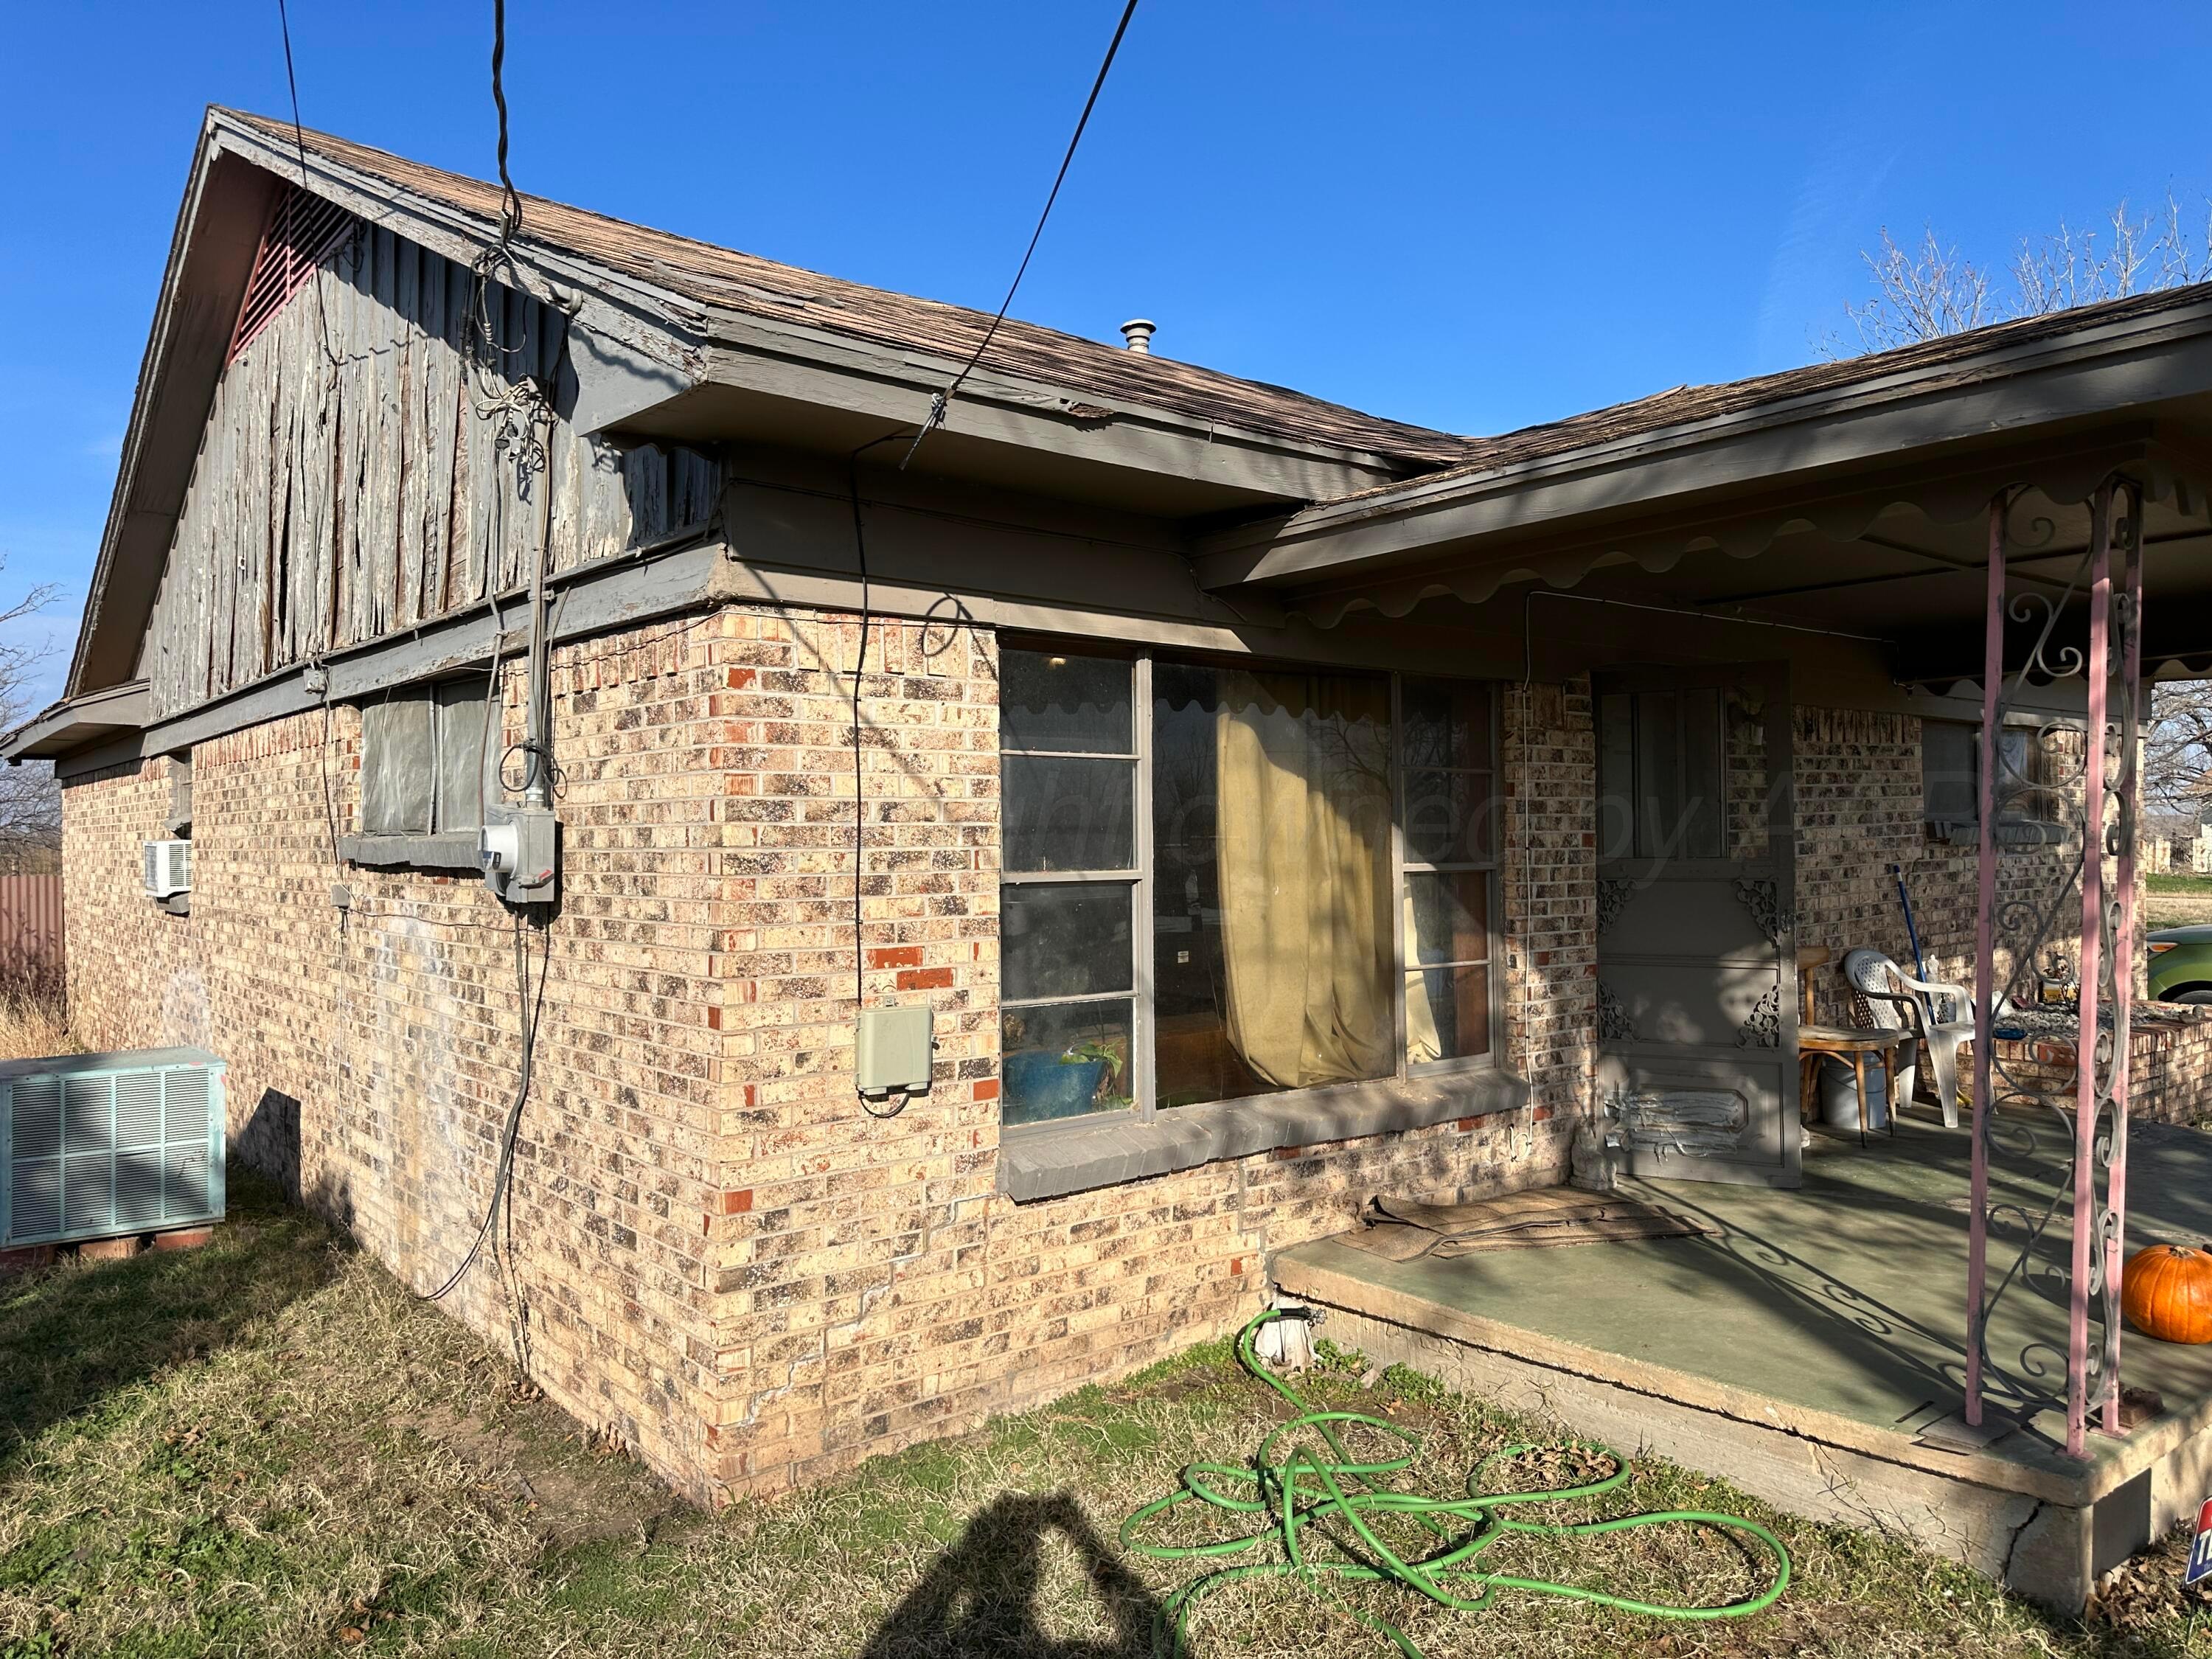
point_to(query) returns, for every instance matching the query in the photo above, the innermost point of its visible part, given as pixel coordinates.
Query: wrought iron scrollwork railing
(2072, 1086)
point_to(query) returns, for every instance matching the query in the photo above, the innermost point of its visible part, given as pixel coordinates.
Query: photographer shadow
(979, 1600)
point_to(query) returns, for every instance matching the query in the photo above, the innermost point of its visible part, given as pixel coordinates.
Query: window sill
(454, 849)
(2011, 832)
(1105, 1154)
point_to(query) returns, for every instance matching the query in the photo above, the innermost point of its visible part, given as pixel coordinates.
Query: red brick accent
(987, 1089)
(894, 956)
(925, 979)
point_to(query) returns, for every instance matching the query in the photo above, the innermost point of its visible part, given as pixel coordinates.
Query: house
(1270, 804)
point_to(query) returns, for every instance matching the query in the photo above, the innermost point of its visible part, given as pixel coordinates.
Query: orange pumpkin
(2166, 1292)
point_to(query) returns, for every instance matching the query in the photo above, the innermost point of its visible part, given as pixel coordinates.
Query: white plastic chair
(1887, 999)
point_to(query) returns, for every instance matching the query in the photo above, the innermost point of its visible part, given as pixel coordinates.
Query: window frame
(1145, 1112)
(1137, 878)
(1489, 868)
(2033, 815)
(441, 846)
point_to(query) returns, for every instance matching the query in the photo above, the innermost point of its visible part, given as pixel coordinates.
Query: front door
(1696, 1006)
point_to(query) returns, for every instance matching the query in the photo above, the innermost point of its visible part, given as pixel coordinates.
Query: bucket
(1839, 1093)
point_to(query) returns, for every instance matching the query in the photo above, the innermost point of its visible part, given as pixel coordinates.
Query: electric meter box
(894, 1051)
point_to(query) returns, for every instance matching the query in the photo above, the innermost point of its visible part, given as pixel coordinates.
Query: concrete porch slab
(1810, 1346)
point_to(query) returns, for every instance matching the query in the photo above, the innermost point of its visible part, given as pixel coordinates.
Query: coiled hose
(1296, 1489)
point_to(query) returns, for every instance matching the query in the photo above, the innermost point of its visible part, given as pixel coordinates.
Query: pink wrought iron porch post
(1977, 1225)
(2114, 1223)
(2088, 1249)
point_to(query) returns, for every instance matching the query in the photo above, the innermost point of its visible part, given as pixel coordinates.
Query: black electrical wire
(510, 202)
(943, 400)
(300, 141)
(528, 1014)
(860, 791)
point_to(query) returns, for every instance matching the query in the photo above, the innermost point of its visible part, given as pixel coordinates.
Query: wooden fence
(30, 926)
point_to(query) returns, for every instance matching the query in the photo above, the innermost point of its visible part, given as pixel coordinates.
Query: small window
(1950, 778)
(423, 759)
(1662, 771)
(180, 795)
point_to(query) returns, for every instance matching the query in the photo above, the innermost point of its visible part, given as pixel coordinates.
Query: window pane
(396, 765)
(1702, 789)
(460, 722)
(1449, 818)
(1616, 775)
(1658, 773)
(1271, 901)
(1447, 1014)
(1450, 917)
(1064, 940)
(1948, 775)
(1051, 701)
(1065, 1060)
(1446, 724)
(1068, 814)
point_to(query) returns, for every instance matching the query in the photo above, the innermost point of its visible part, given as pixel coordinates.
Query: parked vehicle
(2181, 963)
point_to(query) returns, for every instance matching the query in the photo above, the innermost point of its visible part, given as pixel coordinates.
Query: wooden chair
(1817, 1042)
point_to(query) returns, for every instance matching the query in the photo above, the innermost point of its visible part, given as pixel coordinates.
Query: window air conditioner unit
(169, 868)
(106, 1145)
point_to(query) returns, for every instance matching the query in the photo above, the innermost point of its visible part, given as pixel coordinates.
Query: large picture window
(1225, 881)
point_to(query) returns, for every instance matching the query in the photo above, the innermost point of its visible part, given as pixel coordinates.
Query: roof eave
(76, 722)
(2108, 367)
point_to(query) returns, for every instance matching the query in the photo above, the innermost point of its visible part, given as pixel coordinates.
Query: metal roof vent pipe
(1138, 333)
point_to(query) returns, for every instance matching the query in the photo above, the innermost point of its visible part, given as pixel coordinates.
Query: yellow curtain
(1304, 820)
(1422, 1041)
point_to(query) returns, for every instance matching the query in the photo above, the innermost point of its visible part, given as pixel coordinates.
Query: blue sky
(1468, 215)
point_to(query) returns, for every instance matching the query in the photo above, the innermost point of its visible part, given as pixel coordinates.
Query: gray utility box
(102, 1145)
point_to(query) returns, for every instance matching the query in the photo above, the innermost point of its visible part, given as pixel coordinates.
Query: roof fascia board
(926, 373)
(2102, 369)
(896, 386)
(116, 708)
(1744, 526)
(146, 408)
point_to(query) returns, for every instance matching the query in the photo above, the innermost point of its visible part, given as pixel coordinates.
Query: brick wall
(875, 1288)
(716, 1253)
(1859, 811)
(374, 1051)
(712, 1252)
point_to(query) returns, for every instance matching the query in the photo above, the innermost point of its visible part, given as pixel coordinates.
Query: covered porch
(1810, 1345)
(2006, 535)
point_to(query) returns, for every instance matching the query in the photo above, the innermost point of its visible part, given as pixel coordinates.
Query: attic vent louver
(303, 231)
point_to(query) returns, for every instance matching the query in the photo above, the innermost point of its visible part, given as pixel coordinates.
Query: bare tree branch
(1929, 290)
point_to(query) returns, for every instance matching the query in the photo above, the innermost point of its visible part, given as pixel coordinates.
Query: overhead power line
(943, 400)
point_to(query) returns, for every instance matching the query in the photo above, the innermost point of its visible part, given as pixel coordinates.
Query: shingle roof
(744, 282)
(1683, 405)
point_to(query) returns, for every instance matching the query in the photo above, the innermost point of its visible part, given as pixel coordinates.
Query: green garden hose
(1299, 1489)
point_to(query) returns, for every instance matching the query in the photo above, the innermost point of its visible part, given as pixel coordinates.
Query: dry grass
(2176, 900)
(267, 1447)
(33, 1019)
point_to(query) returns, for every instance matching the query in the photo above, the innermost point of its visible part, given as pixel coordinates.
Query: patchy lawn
(267, 1447)
(2176, 900)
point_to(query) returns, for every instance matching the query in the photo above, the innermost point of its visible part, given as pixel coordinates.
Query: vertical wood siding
(350, 485)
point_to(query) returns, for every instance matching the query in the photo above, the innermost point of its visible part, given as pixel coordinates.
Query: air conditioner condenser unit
(103, 1146)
